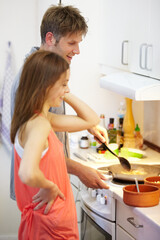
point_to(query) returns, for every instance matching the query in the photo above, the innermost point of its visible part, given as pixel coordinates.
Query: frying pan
(119, 173)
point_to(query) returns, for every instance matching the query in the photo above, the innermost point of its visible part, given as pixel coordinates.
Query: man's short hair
(61, 21)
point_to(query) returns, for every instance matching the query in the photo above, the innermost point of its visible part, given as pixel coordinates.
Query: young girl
(43, 190)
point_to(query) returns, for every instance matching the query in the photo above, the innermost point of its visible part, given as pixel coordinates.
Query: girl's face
(56, 93)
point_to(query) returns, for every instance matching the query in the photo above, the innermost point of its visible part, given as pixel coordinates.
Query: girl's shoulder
(39, 122)
(38, 125)
(37, 129)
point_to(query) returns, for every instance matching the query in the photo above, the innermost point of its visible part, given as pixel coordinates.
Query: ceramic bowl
(147, 197)
(153, 181)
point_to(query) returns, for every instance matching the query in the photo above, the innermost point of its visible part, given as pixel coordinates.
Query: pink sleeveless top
(61, 221)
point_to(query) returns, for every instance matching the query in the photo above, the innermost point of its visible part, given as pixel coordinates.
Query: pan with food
(139, 171)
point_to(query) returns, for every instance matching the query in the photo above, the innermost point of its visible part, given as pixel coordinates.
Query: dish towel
(5, 99)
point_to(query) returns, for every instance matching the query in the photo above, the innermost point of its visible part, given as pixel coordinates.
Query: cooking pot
(139, 171)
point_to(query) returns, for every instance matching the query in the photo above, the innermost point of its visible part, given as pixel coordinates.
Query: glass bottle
(102, 121)
(112, 132)
(138, 138)
(120, 133)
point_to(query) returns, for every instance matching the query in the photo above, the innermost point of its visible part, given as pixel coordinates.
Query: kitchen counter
(151, 157)
(149, 214)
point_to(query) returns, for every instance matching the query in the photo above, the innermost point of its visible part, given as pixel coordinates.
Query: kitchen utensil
(119, 173)
(147, 197)
(123, 161)
(136, 184)
(80, 156)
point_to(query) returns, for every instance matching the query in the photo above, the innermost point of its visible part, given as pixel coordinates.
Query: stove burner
(123, 182)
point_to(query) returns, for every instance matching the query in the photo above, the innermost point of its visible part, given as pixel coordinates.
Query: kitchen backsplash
(152, 122)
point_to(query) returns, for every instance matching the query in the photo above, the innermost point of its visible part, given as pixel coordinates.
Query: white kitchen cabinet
(122, 234)
(131, 225)
(135, 26)
(154, 34)
(114, 33)
(139, 37)
(75, 184)
(145, 38)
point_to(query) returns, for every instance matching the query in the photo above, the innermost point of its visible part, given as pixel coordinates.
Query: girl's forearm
(35, 179)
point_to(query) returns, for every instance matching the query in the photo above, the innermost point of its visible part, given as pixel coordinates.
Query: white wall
(9, 213)
(18, 25)
(152, 122)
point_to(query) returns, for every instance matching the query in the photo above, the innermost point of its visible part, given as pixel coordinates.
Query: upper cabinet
(144, 47)
(155, 37)
(114, 33)
(130, 36)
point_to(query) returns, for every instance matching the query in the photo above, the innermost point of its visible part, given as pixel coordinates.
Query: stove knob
(98, 197)
(102, 200)
(89, 191)
(93, 193)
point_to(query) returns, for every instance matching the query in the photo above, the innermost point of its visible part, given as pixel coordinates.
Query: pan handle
(107, 172)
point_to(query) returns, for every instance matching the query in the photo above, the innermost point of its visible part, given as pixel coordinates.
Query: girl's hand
(100, 134)
(47, 196)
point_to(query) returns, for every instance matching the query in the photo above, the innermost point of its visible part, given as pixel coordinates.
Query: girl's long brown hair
(41, 70)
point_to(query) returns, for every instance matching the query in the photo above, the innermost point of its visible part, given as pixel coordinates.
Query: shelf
(133, 86)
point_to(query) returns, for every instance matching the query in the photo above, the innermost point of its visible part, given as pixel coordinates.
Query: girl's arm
(36, 135)
(86, 118)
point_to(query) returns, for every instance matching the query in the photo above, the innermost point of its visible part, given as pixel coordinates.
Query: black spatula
(123, 161)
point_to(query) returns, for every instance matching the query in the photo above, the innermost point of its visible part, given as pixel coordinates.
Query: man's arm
(91, 177)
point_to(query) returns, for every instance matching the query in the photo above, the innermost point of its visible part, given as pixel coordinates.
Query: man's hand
(92, 178)
(99, 133)
(89, 176)
(47, 196)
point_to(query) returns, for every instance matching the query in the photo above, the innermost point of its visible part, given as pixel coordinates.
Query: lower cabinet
(122, 234)
(75, 183)
(130, 225)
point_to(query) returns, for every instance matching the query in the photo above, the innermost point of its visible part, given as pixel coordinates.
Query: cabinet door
(139, 36)
(114, 31)
(76, 195)
(121, 234)
(135, 225)
(145, 38)
(154, 41)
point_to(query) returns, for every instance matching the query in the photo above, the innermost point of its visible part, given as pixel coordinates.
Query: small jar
(84, 142)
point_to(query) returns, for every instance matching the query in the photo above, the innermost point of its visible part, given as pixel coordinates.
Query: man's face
(68, 46)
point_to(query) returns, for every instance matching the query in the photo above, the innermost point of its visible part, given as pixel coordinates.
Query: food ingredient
(134, 172)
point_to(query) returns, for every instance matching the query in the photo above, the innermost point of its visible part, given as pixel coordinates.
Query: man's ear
(50, 40)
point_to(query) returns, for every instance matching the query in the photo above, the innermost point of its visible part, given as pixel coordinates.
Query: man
(62, 29)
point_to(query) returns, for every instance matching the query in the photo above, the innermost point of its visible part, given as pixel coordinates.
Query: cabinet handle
(140, 56)
(146, 57)
(122, 55)
(131, 220)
